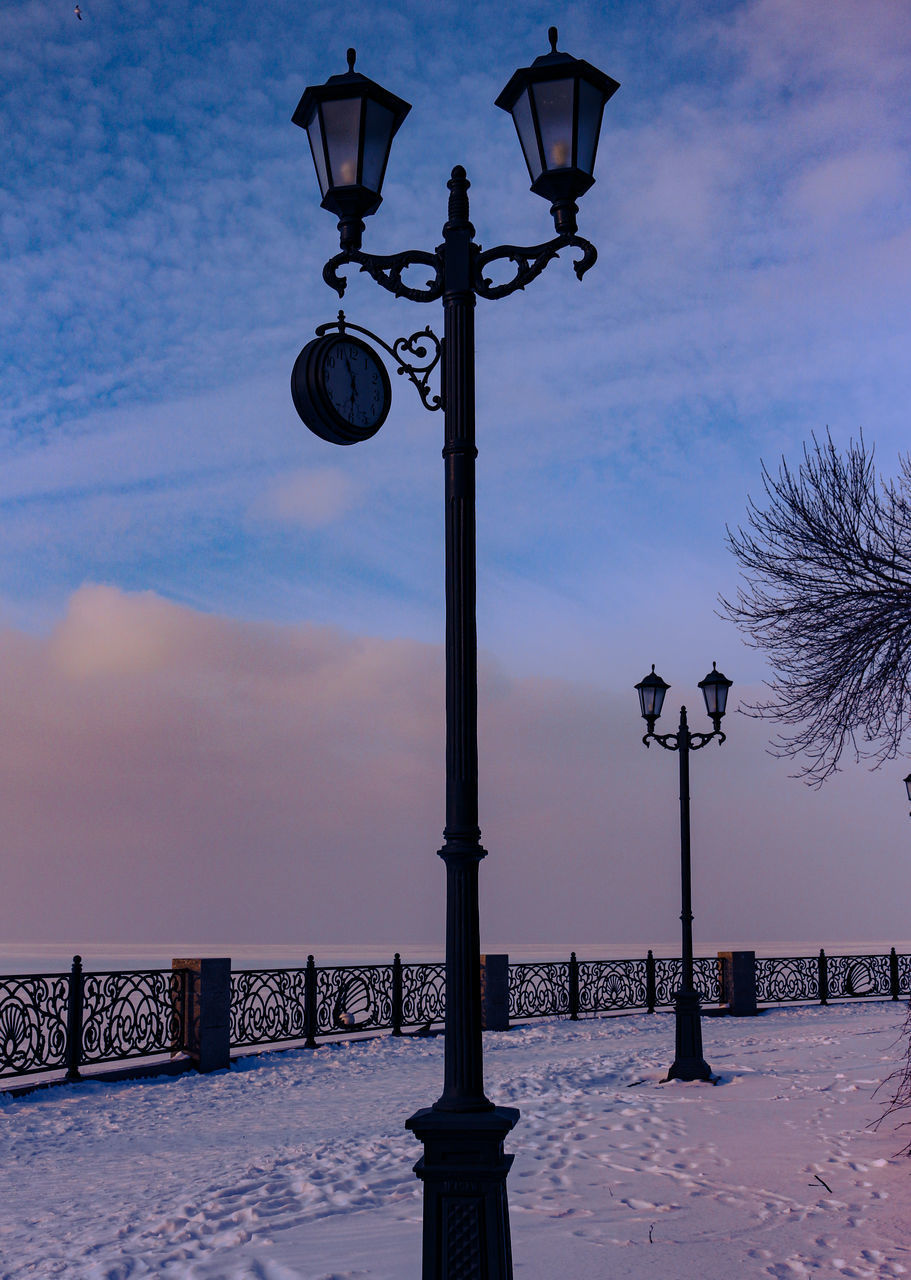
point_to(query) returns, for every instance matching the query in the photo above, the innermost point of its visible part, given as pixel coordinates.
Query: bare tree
(900, 1082)
(827, 569)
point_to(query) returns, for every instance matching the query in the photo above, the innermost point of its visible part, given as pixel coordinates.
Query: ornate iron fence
(52, 1022)
(858, 976)
(423, 996)
(354, 998)
(706, 979)
(539, 990)
(615, 984)
(268, 1006)
(781, 979)
(271, 1006)
(56, 1020)
(546, 989)
(134, 1014)
(33, 1022)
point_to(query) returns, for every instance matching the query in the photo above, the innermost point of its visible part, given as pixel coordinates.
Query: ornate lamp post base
(689, 1063)
(464, 1168)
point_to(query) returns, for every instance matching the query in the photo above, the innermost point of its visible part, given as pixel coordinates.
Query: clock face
(354, 382)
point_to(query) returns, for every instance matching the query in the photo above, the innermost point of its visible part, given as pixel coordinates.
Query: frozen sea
(296, 1165)
(56, 957)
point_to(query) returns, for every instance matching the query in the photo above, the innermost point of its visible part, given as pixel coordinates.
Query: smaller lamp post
(689, 1063)
(908, 786)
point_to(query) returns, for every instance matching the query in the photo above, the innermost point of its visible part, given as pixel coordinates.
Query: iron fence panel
(612, 984)
(423, 994)
(33, 1010)
(780, 979)
(706, 979)
(538, 990)
(858, 976)
(904, 975)
(130, 1014)
(353, 998)
(267, 1005)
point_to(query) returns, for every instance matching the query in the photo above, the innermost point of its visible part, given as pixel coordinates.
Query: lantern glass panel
(715, 692)
(651, 693)
(554, 105)
(379, 125)
(591, 109)
(342, 123)
(525, 127)
(315, 134)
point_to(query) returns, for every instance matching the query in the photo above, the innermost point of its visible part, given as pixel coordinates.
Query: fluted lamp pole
(557, 106)
(689, 1063)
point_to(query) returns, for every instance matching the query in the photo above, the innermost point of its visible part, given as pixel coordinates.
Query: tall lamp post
(557, 106)
(689, 1063)
(908, 785)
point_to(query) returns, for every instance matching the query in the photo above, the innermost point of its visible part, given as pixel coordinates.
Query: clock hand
(351, 377)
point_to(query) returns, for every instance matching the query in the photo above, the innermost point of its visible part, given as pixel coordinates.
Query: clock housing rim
(311, 400)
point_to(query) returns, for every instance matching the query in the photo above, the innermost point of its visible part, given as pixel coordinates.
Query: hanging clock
(340, 388)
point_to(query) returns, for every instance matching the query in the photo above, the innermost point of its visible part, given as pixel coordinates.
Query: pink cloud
(174, 775)
(310, 498)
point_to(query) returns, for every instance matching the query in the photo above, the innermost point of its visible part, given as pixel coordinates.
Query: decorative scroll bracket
(671, 741)
(387, 271)
(424, 346)
(529, 262)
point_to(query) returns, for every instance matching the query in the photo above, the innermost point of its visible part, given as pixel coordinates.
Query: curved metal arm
(529, 263)
(387, 271)
(424, 346)
(671, 741)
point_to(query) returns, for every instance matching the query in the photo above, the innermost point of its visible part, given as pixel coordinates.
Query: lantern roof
(555, 66)
(348, 84)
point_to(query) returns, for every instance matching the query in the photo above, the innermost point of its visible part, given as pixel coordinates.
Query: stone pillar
(207, 1012)
(495, 993)
(738, 982)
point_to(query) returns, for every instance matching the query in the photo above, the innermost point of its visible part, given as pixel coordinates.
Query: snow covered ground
(295, 1166)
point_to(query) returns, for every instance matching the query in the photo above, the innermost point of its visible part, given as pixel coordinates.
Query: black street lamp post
(689, 1063)
(908, 785)
(557, 106)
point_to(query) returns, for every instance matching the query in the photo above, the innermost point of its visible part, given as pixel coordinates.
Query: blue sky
(161, 244)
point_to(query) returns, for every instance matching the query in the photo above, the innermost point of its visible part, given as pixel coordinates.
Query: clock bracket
(415, 356)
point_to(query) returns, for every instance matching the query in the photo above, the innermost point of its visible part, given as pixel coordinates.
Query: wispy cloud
(162, 245)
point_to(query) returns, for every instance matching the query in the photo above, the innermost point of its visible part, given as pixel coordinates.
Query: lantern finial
(351, 56)
(552, 37)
